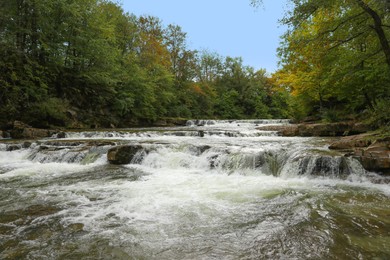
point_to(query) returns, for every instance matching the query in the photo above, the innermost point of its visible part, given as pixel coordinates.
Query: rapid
(209, 190)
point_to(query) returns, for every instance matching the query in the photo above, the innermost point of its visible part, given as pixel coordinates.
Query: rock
(290, 131)
(61, 135)
(318, 129)
(21, 130)
(1, 134)
(26, 144)
(359, 128)
(336, 166)
(351, 142)
(177, 121)
(13, 147)
(122, 154)
(376, 162)
(30, 133)
(283, 130)
(6, 134)
(160, 123)
(375, 157)
(323, 129)
(20, 125)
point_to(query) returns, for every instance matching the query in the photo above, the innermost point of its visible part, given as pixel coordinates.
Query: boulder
(375, 157)
(122, 154)
(61, 135)
(21, 130)
(30, 133)
(13, 147)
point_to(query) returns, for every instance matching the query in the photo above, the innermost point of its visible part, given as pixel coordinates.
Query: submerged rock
(123, 154)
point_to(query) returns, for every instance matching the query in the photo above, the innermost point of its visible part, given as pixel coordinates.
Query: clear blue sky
(228, 27)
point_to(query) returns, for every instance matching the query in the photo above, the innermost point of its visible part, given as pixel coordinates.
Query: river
(210, 190)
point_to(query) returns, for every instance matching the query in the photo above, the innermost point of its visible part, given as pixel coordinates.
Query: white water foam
(193, 197)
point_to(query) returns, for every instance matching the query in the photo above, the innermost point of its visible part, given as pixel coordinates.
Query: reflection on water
(242, 196)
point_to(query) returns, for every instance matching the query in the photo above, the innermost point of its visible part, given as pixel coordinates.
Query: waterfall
(209, 190)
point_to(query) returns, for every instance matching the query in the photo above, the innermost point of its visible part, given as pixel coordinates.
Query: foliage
(335, 57)
(112, 67)
(380, 115)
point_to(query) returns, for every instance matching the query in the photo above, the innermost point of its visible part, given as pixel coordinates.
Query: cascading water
(210, 190)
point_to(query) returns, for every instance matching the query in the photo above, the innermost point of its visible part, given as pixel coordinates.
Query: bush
(380, 115)
(51, 112)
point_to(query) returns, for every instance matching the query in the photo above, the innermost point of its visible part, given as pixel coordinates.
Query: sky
(228, 27)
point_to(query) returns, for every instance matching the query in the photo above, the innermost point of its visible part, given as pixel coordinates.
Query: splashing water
(210, 190)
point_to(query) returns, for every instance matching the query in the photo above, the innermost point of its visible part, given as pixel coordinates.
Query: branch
(340, 24)
(341, 42)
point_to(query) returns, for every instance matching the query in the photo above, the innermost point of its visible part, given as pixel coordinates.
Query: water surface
(211, 190)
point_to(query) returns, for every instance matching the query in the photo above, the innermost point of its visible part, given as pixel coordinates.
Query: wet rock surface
(373, 154)
(319, 129)
(20, 130)
(122, 154)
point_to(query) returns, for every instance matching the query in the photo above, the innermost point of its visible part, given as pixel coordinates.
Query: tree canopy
(89, 63)
(335, 57)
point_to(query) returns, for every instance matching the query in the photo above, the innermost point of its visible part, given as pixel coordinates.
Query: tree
(339, 50)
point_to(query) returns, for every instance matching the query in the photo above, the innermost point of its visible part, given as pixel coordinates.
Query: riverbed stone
(122, 154)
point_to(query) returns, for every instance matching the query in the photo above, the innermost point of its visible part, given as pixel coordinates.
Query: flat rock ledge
(319, 129)
(373, 154)
(20, 130)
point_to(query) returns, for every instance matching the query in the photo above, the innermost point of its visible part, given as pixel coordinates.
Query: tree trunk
(378, 27)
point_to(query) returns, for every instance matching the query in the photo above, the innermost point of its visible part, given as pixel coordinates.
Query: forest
(88, 63)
